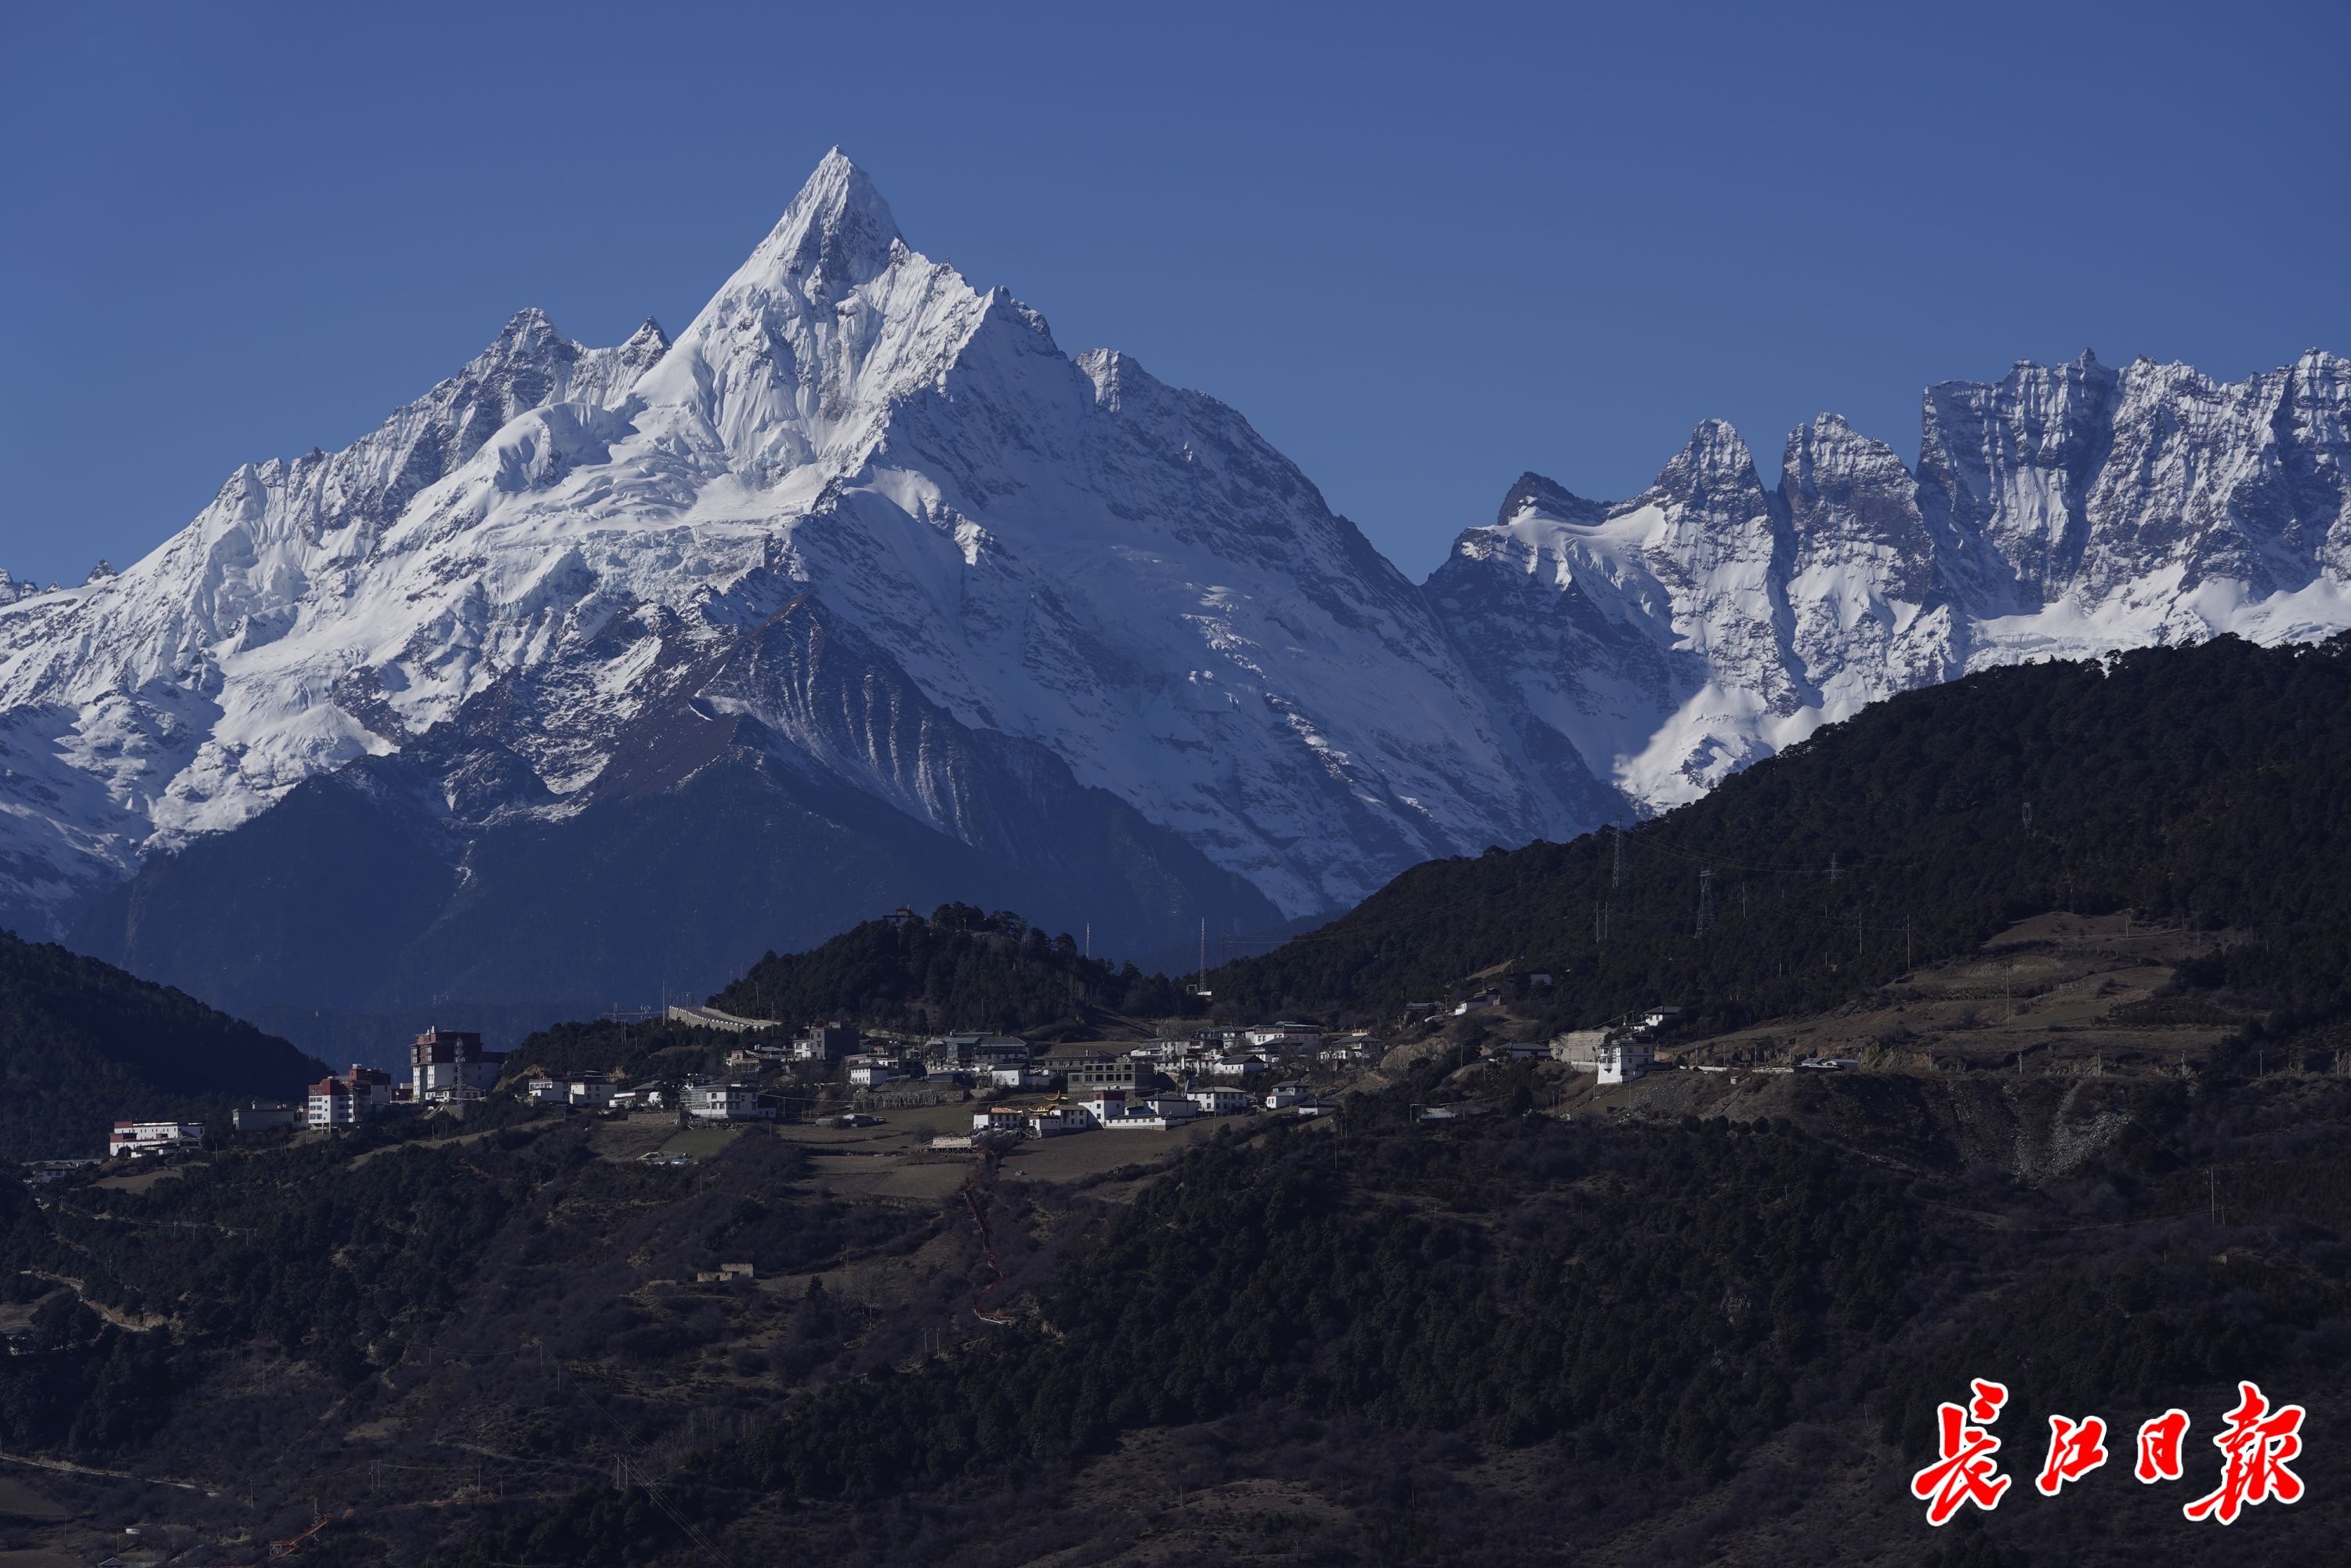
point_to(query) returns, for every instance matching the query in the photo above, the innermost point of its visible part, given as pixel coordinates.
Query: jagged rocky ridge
(866, 569)
(1657, 644)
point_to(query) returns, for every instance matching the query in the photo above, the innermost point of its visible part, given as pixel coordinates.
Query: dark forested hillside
(2200, 784)
(1373, 1343)
(1366, 1338)
(960, 968)
(82, 1042)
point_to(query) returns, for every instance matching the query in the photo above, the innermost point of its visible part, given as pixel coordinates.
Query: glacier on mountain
(873, 525)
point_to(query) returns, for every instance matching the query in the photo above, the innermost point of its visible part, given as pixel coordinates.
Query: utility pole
(1203, 953)
(1906, 945)
(1832, 868)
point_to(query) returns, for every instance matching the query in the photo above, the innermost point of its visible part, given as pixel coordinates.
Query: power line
(644, 1484)
(1835, 870)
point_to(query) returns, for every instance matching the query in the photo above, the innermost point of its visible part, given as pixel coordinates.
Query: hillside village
(2078, 997)
(712, 1125)
(890, 1157)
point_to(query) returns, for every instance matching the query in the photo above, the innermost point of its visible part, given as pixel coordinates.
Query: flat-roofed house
(140, 1139)
(727, 1102)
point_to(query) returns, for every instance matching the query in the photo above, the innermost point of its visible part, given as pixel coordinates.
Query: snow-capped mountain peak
(837, 233)
(921, 590)
(1103, 570)
(792, 367)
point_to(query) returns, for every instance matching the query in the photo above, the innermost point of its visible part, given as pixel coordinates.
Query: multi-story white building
(140, 1139)
(727, 1102)
(825, 1042)
(871, 1072)
(350, 1098)
(1622, 1062)
(450, 1064)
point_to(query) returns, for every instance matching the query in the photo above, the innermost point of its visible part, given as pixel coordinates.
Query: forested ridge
(81, 1043)
(2201, 784)
(961, 968)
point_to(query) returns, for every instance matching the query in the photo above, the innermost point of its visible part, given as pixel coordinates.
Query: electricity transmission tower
(1705, 899)
(1616, 875)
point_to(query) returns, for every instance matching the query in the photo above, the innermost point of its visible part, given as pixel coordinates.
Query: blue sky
(1422, 248)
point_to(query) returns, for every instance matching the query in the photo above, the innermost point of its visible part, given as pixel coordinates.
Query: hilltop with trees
(962, 969)
(81, 1043)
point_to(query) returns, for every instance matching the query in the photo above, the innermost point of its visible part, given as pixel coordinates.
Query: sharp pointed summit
(837, 233)
(1088, 641)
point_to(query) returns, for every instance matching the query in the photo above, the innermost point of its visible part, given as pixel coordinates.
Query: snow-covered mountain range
(951, 612)
(1657, 644)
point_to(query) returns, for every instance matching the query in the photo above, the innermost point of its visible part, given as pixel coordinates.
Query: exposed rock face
(2060, 512)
